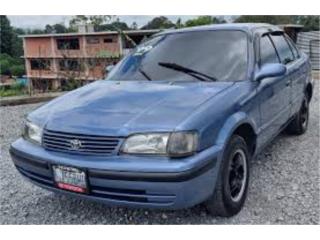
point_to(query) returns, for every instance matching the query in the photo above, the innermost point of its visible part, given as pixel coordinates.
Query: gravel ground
(284, 187)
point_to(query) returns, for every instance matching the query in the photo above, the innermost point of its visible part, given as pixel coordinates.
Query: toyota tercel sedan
(176, 123)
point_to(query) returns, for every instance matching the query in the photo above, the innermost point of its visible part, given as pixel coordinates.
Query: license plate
(70, 178)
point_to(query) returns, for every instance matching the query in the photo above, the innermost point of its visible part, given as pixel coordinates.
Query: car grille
(79, 143)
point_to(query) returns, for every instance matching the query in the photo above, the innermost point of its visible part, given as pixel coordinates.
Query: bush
(16, 89)
(11, 66)
(17, 70)
(70, 84)
(5, 67)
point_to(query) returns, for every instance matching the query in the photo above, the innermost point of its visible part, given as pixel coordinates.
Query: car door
(298, 76)
(287, 57)
(274, 92)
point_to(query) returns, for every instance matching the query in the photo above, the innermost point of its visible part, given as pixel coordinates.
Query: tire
(299, 124)
(224, 202)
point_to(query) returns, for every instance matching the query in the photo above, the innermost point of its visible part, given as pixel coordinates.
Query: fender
(232, 123)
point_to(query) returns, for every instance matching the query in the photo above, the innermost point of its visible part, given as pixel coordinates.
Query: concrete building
(53, 59)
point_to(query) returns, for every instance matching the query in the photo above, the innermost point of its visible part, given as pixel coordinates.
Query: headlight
(32, 132)
(173, 144)
(146, 144)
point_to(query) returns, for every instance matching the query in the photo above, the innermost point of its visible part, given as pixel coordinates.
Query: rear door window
(268, 53)
(283, 48)
(293, 47)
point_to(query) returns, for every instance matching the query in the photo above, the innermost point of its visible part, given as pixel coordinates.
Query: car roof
(247, 27)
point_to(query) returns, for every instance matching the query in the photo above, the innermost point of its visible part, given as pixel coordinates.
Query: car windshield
(211, 55)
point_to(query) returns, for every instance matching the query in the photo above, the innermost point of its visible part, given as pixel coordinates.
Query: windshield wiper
(186, 70)
(144, 74)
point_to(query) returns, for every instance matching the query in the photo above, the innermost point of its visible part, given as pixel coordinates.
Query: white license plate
(70, 178)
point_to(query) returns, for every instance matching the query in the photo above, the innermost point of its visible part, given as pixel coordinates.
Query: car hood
(120, 108)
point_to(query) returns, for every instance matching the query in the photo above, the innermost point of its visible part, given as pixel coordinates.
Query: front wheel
(232, 185)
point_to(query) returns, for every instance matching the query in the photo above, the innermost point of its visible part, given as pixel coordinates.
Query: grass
(14, 90)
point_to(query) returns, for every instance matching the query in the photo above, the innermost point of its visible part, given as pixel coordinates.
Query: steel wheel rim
(237, 175)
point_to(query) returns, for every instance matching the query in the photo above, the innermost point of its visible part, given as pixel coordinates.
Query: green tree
(95, 20)
(11, 66)
(6, 35)
(310, 23)
(159, 23)
(4, 66)
(36, 31)
(17, 43)
(272, 19)
(11, 44)
(134, 26)
(59, 28)
(56, 28)
(204, 20)
(48, 29)
(17, 70)
(114, 26)
(179, 23)
(78, 20)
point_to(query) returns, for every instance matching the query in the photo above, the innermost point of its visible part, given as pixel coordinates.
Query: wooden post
(27, 66)
(55, 84)
(30, 86)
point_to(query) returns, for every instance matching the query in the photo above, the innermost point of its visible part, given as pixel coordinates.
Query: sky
(39, 21)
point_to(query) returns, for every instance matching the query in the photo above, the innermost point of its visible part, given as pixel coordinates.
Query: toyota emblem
(75, 144)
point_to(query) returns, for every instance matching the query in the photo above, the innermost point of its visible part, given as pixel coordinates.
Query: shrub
(5, 67)
(16, 89)
(11, 66)
(17, 70)
(70, 84)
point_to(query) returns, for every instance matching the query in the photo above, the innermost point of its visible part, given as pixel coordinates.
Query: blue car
(176, 123)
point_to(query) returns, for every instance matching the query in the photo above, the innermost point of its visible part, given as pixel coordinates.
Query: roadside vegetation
(11, 66)
(11, 63)
(14, 90)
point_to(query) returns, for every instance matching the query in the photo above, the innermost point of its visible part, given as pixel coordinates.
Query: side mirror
(270, 70)
(109, 68)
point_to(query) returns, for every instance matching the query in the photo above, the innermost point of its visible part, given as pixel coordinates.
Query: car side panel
(301, 71)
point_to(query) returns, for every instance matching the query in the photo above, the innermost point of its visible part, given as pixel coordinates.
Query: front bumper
(153, 182)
